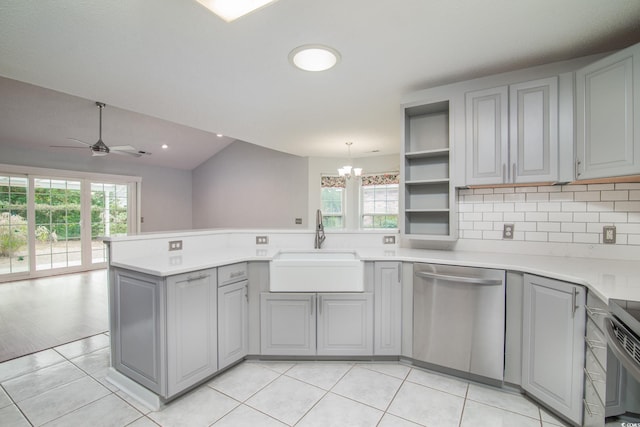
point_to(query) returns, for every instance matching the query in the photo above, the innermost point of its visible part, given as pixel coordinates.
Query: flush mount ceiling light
(348, 169)
(314, 57)
(230, 10)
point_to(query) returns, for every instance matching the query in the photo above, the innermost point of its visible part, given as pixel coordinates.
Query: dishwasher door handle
(459, 279)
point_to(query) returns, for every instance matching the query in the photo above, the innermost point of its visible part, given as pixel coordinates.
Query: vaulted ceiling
(175, 65)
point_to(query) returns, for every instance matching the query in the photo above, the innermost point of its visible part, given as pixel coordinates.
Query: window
(379, 198)
(332, 195)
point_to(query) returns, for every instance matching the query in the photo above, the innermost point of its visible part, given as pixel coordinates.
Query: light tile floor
(65, 386)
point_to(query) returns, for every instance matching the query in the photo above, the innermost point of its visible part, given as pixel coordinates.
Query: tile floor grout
(384, 416)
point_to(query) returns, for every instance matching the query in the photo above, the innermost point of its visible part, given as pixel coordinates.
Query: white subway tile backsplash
(586, 238)
(514, 216)
(548, 226)
(554, 214)
(516, 197)
(614, 195)
(536, 216)
(561, 237)
(573, 227)
(537, 197)
(613, 217)
(600, 187)
(586, 217)
(561, 216)
(525, 207)
(587, 196)
(536, 236)
(561, 197)
(627, 206)
(574, 206)
(549, 206)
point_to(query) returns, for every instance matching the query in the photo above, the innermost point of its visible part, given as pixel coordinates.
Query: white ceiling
(174, 60)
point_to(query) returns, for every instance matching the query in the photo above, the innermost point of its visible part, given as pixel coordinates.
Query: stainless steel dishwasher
(458, 319)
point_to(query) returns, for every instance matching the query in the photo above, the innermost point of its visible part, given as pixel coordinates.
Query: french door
(52, 225)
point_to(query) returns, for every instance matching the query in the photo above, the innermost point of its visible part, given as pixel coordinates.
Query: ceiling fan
(100, 148)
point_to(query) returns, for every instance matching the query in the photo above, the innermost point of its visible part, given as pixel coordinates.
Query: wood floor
(43, 313)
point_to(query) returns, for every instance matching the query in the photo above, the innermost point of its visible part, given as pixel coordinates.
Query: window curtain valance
(333, 181)
(381, 179)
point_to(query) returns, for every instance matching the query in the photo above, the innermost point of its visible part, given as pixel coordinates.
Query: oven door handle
(618, 350)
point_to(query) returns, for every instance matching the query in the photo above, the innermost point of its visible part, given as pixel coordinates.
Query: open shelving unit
(428, 194)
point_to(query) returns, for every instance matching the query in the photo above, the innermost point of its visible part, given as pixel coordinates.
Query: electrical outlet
(175, 245)
(389, 240)
(507, 231)
(262, 240)
(609, 234)
(298, 221)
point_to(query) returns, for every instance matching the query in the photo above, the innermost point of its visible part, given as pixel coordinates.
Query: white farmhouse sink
(316, 271)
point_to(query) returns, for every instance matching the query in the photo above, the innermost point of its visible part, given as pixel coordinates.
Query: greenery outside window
(332, 201)
(379, 195)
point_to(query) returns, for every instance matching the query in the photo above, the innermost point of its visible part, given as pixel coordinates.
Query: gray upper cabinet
(608, 116)
(512, 133)
(387, 308)
(191, 329)
(553, 328)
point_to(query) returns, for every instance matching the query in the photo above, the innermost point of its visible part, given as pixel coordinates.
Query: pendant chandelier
(348, 170)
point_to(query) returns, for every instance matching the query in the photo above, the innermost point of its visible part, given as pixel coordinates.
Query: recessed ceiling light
(314, 57)
(230, 10)
(165, 146)
(219, 135)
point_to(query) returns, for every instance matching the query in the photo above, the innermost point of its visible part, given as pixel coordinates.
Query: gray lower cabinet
(553, 330)
(164, 330)
(233, 323)
(343, 322)
(387, 339)
(345, 325)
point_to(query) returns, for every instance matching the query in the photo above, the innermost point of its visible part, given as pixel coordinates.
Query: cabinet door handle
(313, 303)
(574, 299)
(320, 306)
(513, 173)
(246, 292)
(578, 167)
(200, 277)
(504, 173)
(400, 273)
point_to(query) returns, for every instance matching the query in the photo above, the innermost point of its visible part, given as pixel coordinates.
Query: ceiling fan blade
(126, 153)
(127, 149)
(81, 142)
(67, 146)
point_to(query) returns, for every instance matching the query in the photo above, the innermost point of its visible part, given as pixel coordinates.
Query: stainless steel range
(622, 329)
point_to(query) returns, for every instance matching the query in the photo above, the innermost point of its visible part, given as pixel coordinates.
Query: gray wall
(165, 196)
(247, 186)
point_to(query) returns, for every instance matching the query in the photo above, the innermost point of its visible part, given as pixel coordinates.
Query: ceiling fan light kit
(100, 148)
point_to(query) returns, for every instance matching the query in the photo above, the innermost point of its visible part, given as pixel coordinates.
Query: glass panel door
(109, 215)
(57, 226)
(14, 237)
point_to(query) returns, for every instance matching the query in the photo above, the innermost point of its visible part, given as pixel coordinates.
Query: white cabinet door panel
(233, 323)
(487, 135)
(345, 324)
(387, 308)
(534, 131)
(553, 330)
(288, 324)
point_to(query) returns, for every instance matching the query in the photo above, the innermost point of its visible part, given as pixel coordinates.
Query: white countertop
(605, 278)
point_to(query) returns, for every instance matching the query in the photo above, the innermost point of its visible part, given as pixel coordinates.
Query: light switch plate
(262, 240)
(609, 234)
(507, 231)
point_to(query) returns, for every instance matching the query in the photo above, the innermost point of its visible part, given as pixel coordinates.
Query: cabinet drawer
(595, 374)
(596, 342)
(232, 273)
(593, 408)
(597, 310)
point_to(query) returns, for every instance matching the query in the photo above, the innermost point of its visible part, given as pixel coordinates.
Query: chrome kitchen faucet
(319, 230)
